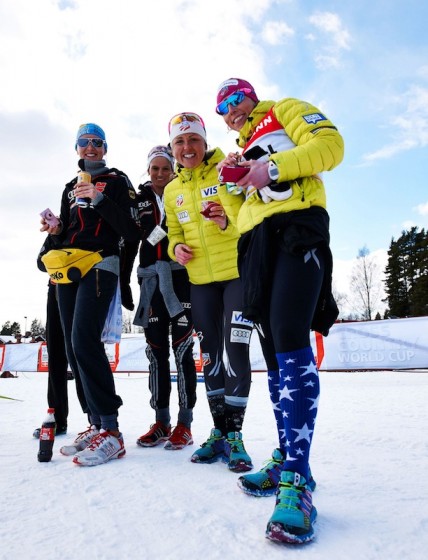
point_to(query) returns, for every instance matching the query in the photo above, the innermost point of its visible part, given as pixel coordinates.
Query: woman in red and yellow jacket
(285, 264)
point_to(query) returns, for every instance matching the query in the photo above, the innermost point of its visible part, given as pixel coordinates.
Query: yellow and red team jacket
(302, 142)
(214, 250)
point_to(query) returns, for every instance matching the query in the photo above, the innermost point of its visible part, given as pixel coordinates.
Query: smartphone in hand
(207, 206)
(231, 174)
(49, 218)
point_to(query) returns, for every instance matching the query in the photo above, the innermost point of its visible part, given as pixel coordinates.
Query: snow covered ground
(370, 458)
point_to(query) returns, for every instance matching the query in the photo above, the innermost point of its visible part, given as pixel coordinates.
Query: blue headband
(91, 128)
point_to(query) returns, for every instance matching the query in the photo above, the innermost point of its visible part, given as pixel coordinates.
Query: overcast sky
(131, 65)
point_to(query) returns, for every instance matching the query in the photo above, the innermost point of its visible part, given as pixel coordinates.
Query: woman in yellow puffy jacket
(286, 266)
(202, 235)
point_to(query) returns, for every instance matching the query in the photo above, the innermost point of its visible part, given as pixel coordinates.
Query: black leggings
(158, 347)
(296, 285)
(216, 310)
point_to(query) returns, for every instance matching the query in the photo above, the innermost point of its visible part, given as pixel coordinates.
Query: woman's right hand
(49, 229)
(232, 159)
(183, 253)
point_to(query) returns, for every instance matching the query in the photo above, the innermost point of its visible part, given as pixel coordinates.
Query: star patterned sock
(298, 393)
(273, 384)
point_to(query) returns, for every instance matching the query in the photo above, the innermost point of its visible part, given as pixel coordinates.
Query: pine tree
(10, 329)
(407, 274)
(419, 290)
(37, 329)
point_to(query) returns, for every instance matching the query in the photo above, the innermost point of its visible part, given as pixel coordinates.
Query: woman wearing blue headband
(95, 214)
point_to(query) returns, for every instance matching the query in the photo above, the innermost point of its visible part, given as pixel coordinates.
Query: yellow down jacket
(214, 251)
(313, 145)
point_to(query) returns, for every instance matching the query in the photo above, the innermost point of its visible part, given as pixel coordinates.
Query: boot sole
(256, 492)
(118, 456)
(198, 460)
(238, 466)
(152, 443)
(277, 533)
(177, 446)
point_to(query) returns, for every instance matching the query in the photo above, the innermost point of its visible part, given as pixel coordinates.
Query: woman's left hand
(218, 215)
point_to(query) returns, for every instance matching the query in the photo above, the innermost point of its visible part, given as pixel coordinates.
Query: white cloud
(410, 126)
(325, 61)
(407, 225)
(422, 209)
(331, 24)
(276, 32)
(334, 39)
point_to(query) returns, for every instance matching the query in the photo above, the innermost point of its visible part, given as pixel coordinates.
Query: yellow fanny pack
(69, 265)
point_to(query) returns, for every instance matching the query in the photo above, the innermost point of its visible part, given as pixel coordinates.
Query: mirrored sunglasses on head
(183, 117)
(234, 99)
(95, 142)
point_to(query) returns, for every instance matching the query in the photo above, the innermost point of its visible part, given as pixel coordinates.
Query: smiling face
(189, 149)
(90, 152)
(236, 116)
(160, 172)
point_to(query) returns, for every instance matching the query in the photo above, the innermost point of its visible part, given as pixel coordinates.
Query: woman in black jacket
(95, 215)
(164, 308)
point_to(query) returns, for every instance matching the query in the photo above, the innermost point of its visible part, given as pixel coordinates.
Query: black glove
(126, 294)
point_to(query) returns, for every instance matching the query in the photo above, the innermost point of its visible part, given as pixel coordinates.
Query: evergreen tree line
(406, 275)
(13, 328)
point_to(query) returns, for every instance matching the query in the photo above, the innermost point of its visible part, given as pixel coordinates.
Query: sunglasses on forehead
(95, 142)
(185, 117)
(234, 99)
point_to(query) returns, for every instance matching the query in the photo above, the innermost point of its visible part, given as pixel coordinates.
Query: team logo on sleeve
(314, 118)
(179, 200)
(206, 359)
(100, 186)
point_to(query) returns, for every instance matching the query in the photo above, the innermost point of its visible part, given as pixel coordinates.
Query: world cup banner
(377, 345)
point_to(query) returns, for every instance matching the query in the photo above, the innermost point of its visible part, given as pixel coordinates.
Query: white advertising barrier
(20, 357)
(367, 345)
(371, 345)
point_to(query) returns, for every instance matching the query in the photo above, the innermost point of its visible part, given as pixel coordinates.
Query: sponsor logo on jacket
(183, 216)
(314, 118)
(209, 191)
(268, 138)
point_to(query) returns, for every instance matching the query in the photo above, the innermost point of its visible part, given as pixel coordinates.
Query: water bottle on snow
(47, 437)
